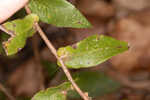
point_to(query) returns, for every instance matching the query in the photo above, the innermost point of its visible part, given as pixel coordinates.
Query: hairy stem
(53, 50)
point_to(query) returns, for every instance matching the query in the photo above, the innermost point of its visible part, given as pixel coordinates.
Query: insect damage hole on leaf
(21, 29)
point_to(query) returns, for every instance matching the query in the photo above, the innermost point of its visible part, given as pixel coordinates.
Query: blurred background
(123, 77)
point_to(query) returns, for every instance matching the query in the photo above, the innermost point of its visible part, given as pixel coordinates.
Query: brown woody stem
(53, 50)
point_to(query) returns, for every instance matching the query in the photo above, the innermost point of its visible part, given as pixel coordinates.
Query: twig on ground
(53, 50)
(3, 89)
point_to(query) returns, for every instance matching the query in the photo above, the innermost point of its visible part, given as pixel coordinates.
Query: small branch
(53, 50)
(3, 89)
(5, 30)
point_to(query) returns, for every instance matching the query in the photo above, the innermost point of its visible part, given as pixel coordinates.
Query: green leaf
(50, 67)
(3, 37)
(21, 29)
(95, 83)
(59, 13)
(91, 51)
(55, 93)
(2, 96)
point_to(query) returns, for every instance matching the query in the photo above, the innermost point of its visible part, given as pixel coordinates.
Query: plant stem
(53, 50)
(3, 89)
(5, 30)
